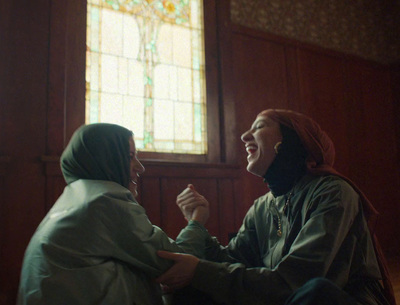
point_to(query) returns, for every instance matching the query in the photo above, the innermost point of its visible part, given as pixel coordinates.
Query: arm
(243, 247)
(123, 231)
(195, 208)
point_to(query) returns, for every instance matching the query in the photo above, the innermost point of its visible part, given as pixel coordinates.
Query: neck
(282, 176)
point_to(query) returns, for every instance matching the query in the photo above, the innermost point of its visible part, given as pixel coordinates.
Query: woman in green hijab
(96, 245)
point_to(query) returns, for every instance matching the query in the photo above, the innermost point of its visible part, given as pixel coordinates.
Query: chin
(254, 171)
(134, 191)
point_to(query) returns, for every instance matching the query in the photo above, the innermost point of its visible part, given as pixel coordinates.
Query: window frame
(67, 81)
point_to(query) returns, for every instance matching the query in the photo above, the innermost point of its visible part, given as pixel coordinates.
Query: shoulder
(328, 184)
(329, 191)
(101, 195)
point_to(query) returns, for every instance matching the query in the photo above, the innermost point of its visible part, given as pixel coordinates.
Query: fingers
(165, 278)
(169, 255)
(181, 273)
(190, 197)
(187, 194)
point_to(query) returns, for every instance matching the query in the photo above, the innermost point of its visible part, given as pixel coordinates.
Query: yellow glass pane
(111, 32)
(185, 84)
(111, 108)
(136, 78)
(145, 70)
(109, 73)
(163, 119)
(183, 121)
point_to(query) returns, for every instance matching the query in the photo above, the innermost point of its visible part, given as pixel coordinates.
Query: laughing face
(260, 140)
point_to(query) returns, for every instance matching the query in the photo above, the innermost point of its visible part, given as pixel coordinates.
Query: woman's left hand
(181, 273)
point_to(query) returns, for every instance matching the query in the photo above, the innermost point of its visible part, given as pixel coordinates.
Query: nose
(246, 136)
(138, 167)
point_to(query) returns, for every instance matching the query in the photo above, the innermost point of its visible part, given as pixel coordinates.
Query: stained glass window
(145, 71)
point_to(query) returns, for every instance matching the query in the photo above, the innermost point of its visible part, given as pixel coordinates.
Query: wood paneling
(322, 96)
(374, 157)
(24, 57)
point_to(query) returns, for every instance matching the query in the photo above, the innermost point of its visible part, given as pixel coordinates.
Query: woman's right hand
(181, 273)
(193, 205)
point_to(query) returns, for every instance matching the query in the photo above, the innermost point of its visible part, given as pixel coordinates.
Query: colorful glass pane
(145, 71)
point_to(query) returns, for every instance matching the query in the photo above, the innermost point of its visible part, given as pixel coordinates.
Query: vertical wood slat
(374, 136)
(57, 78)
(226, 209)
(322, 92)
(227, 106)
(150, 198)
(54, 180)
(212, 83)
(3, 165)
(75, 59)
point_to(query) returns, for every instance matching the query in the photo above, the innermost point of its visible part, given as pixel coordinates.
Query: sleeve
(242, 248)
(327, 220)
(123, 231)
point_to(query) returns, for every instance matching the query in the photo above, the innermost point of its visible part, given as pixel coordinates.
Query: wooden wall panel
(3, 172)
(150, 197)
(57, 78)
(228, 198)
(374, 155)
(23, 131)
(395, 87)
(322, 92)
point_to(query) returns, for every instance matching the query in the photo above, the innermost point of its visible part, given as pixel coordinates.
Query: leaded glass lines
(145, 71)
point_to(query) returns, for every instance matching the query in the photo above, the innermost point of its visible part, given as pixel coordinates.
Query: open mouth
(251, 148)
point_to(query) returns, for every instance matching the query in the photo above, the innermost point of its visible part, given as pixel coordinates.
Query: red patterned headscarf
(320, 162)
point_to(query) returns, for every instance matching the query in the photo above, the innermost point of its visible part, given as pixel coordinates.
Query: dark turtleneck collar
(289, 164)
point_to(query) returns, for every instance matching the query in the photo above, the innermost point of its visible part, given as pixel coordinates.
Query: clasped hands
(194, 207)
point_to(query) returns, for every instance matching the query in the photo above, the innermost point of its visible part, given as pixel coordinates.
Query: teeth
(251, 148)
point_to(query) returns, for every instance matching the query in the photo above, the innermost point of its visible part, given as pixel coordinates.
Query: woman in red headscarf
(307, 241)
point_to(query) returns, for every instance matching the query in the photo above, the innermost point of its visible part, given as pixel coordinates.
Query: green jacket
(97, 246)
(324, 234)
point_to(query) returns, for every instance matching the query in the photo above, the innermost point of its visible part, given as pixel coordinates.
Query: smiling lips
(251, 149)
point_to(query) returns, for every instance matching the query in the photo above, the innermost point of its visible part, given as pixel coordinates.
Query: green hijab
(98, 152)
